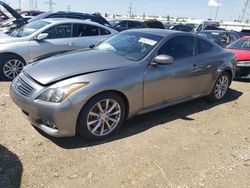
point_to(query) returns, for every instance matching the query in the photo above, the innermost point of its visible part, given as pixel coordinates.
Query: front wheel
(101, 117)
(221, 87)
(10, 67)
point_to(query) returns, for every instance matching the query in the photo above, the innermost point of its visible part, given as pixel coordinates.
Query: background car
(244, 32)
(20, 21)
(74, 15)
(45, 38)
(122, 25)
(3, 16)
(168, 25)
(11, 24)
(241, 48)
(220, 37)
(182, 27)
(153, 23)
(31, 13)
(92, 92)
(207, 25)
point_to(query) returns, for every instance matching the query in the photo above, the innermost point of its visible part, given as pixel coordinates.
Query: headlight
(57, 95)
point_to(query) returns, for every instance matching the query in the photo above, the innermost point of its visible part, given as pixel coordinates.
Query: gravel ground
(195, 144)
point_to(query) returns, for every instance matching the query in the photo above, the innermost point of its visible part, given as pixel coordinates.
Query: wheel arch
(230, 73)
(14, 54)
(121, 94)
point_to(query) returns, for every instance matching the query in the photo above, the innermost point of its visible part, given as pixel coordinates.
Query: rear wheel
(221, 87)
(101, 117)
(10, 66)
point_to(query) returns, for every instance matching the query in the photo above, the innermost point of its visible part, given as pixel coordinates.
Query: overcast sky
(230, 10)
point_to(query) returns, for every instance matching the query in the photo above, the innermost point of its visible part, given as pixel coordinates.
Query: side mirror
(163, 60)
(91, 46)
(42, 36)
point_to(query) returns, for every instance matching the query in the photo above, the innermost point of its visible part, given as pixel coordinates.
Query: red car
(3, 16)
(241, 48)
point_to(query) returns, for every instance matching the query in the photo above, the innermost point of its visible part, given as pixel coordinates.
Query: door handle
(69, 43)
(195, 66)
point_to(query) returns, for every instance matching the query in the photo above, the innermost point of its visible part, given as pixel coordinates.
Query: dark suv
(75, 15)
(122, 25)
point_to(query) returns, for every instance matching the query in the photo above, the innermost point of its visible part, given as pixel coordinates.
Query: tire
(220, 88)
(10, 66)
(93, 124)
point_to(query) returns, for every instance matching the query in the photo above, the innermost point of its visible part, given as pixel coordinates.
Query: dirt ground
(196, 144)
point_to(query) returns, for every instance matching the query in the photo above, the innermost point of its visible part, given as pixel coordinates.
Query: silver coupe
(45, 38)
(93, 91)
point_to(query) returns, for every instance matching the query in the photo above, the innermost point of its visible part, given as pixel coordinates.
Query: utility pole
(50, 3)
(68, 8)
(35, 4)
(216, 14)
(31, 4)
(245, 9)
(130, 10)
(20, 4)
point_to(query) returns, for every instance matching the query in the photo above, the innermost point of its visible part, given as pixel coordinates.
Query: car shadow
(11, 169)
(144, 122)
(242, 80)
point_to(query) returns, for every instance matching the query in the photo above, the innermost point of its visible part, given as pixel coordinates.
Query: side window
(60, 31)
(104, 31)
(179, 47)
(224, 39)
(84, 30)
(123, 24)
(203, 46)
(139, 24)
(132, 24)
(232, 37)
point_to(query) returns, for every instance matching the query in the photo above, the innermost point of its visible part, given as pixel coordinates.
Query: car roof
(70, 20)
(216, 31)
(160, 32)
(246, 37)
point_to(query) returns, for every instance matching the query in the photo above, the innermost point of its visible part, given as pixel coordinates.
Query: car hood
(8, 39)
(75, 63)
(14, 13)
(241, 55)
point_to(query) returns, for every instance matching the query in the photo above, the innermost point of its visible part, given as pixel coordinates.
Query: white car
(46, 38)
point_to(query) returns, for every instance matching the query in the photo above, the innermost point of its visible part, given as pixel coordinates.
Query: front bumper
(57, 120)
(242, 71)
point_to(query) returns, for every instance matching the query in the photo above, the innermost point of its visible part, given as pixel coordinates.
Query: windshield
(28, 29)
(131, 45)
(39, 17)
(241, 44)
(114, 22)
(214, 36)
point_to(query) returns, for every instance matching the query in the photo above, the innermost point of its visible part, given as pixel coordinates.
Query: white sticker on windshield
(148, 41)
(215, 33)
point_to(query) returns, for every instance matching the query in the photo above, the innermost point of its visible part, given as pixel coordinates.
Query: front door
(59, 40)
(164, 83)
(85, 35)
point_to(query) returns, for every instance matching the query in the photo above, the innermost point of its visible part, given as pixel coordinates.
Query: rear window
(104, 31)
(203, 46)
(84, 30)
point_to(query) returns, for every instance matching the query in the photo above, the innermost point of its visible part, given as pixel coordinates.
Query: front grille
(24, 88)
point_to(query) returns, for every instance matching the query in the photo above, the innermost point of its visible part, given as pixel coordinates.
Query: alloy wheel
(104, 117)
(221, 87)
(12, 68)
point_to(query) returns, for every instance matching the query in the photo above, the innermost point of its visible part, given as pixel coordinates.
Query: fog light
(50, 124)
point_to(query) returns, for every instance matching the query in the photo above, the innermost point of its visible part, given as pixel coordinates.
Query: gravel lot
(195, 144)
